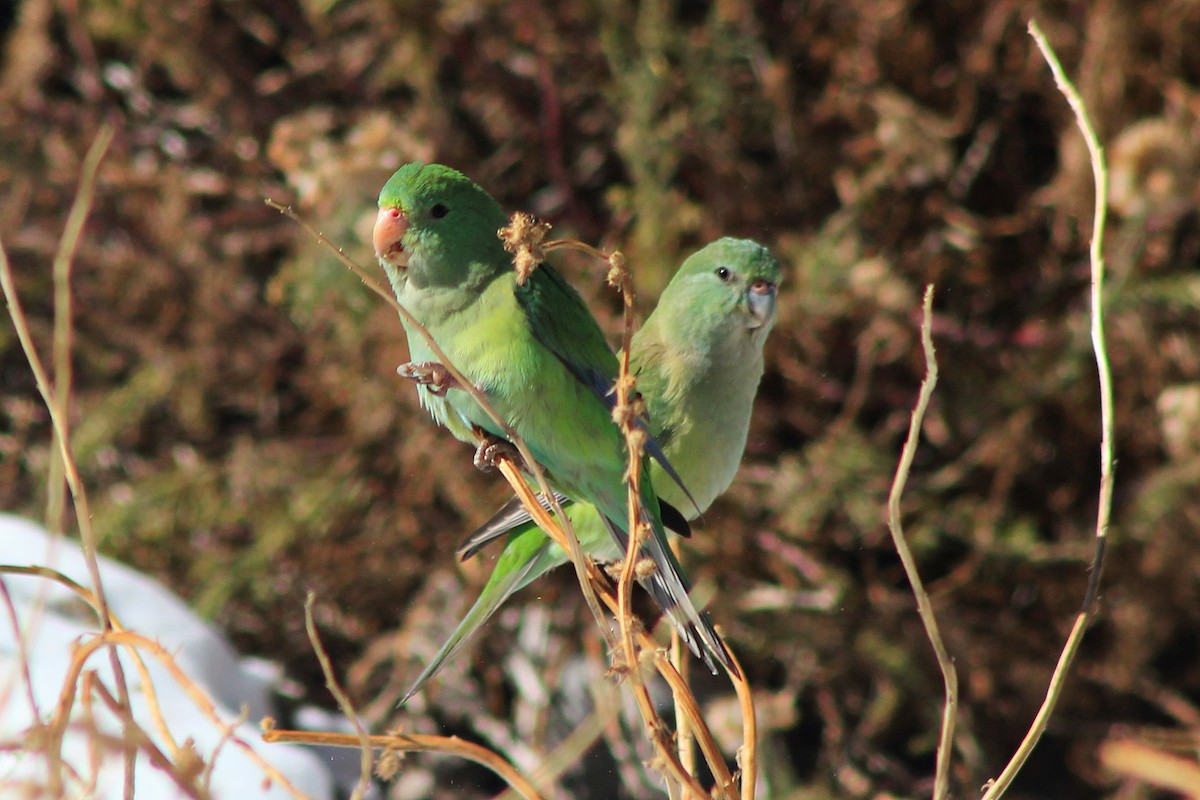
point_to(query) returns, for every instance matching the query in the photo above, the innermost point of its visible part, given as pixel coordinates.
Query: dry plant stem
(22, 653)
(623, 413)
(438, 353)
(941, 784)
(59, 412)
(748, 754)
(685, 702)
(573, 244)
(152, 705)
(140, 741)
(89, 723)
(1107, 457)
(573, 550)
(570, 751)
(343, 701)
(684, 740)
(1152, 766)
(467, 386)
(415, 742)
(139, 663)
(685, 705)
(58, 723)
(134, 644)
(348, 262)
(63, 379)
(708, 745)
(64, 317)
(227, 733)
(372, 284)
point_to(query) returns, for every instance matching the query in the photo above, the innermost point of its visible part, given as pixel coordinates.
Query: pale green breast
(710, 396)
(419, 351)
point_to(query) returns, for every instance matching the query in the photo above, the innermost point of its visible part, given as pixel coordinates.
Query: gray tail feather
(511, 515)
(670, 592)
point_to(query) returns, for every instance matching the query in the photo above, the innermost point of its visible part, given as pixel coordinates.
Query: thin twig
(148, 692)
(64, 260)
(343, 701)
(150, 696)
(89, 723)
(228, 730)
(364, 276)
(407, 742)
(624, 414)
(684, 740)
(689, 708)
(64, 463)
(136, 739)
(1107, 458)
(941, 783)
(1151, 766)
(22, 653)
(570, 751)
(134, 644)
(573, 549)
(605, 592)
(747, 756)
(408, 318)
(59, 412)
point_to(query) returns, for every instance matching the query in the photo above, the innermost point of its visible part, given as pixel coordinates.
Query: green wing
(563, 324)
(561, 321)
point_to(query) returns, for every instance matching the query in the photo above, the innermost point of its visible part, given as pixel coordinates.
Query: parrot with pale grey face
(698, 360)
(536, 353)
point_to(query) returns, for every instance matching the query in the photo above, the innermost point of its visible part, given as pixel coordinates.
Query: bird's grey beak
(390, 225)
(761, 298)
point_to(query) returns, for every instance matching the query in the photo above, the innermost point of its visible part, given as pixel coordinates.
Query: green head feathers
(438, 225)
(730, 278)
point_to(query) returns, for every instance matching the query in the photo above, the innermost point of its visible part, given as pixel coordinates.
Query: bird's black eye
(439, 211)
(725, 274)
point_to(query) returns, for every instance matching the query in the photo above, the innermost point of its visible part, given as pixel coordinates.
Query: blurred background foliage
(246, 439)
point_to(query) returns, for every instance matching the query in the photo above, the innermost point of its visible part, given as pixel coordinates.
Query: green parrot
(698, 360)
(533, 349)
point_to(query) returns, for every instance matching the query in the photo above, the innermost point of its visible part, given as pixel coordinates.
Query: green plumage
(699, 360)
(533, 349)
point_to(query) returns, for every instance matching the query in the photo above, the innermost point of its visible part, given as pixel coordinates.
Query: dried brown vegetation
(245, 438)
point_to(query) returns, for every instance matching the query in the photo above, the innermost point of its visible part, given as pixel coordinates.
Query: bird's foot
(492, 449)
(430, 374)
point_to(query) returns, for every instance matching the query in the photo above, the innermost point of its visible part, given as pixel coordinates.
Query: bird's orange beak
(390, 226)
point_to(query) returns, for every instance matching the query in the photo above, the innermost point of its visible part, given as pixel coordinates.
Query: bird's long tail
(523, 560)
(669, 590)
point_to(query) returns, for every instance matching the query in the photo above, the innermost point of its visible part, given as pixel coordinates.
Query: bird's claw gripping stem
(492, 449)
(430, 374)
